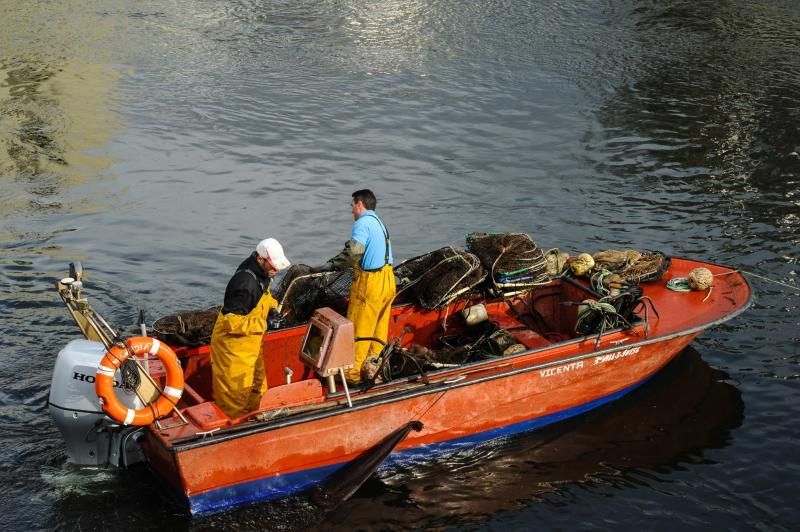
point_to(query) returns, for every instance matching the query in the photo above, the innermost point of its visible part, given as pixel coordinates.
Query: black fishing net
(438, 278)
(282, 285)
(515, 263)
(191, 328)
(301, 292)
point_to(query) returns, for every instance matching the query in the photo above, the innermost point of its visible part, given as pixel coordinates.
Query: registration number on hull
(574, 366)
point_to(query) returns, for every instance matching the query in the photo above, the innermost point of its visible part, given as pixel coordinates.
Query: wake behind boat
(478, 365)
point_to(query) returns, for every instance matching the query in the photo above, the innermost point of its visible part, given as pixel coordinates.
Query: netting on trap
(633, 266)
(438, 278)
(301, 292)
(514, 261)
(191, 328)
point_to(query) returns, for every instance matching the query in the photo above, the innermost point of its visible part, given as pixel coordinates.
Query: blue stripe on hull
(285, 485)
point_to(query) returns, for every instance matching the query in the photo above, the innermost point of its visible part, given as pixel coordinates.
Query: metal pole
(346, 391)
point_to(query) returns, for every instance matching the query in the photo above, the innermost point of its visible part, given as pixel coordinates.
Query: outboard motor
(92, 438)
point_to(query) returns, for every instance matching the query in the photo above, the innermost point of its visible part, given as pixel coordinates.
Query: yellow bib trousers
(237, 359)
(370, 306)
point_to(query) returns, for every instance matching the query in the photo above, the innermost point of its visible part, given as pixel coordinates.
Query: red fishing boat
(309, 426)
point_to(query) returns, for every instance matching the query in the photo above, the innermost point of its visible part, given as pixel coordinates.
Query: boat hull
(508, 398)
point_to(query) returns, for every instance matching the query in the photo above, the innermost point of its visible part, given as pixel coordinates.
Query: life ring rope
(112, 361)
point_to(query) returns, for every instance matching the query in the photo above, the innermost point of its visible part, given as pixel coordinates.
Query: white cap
(272, 250)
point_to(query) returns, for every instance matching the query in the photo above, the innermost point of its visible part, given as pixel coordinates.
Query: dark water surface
(157, 141)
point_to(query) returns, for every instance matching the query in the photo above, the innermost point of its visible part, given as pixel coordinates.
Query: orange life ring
(113, 359)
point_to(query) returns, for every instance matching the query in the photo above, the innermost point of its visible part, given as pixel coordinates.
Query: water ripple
(156, 142)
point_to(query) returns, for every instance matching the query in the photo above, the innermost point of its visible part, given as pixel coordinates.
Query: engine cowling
(91, 437)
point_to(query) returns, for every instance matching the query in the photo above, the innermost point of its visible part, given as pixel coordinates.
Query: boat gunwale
(443, 386)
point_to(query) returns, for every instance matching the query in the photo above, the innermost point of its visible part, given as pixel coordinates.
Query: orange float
(113, 359)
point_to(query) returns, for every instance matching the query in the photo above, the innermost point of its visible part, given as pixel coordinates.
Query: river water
(156, 141)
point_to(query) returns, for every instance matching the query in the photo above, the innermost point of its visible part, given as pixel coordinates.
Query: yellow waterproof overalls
(237, 359)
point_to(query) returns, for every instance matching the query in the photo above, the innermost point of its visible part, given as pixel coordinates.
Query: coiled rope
(607, 312)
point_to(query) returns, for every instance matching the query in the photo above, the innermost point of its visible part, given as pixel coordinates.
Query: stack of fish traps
(515, 263)
(300, 292)
(438, 278)
(633, 266)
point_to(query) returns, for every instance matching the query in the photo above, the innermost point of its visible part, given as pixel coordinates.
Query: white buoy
(475, 314)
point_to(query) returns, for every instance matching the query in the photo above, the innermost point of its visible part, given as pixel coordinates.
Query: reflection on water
(705, 116)
(55, 117)
(156, 141)
(682, 412)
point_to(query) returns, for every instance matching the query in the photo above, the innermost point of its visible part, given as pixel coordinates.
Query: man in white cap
(237, 362)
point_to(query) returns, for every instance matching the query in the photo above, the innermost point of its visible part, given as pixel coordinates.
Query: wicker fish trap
(615, 260)
(301, 292)
(633, 266)
(514, 261)
(438, 278)
(651, 266)
(191, 328)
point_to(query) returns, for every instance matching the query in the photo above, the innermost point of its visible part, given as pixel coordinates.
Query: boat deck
(542, 321)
